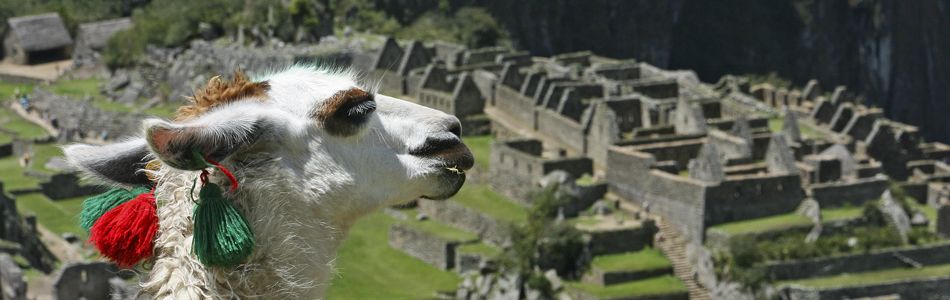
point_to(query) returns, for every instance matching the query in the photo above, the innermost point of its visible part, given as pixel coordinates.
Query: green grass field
(7, 89)
(480, 249)
(482, 198)
(873, 277)
(59, 216)
(481, 149)
(11, 174)
(783, 221)
(646, 259)
(24, 129)
(441, 230)
(650, 286)
(370, 269)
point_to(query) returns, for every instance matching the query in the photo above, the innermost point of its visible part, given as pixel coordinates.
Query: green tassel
(222, 235)
(95, 206)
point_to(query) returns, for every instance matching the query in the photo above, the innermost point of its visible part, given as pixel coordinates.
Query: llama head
(317, 133)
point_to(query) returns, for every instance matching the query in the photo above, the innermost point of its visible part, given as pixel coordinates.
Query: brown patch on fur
(338, 100)
(219, 91)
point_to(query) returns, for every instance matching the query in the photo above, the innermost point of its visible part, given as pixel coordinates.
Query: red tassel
(126, 234)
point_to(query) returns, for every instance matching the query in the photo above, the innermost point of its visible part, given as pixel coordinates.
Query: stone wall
(513, 103)
(468, 219)
(517, 165)
(925, 288)
(67, 185)
(601, 277)
(565, 131)
(750, 197)
(857, 192)
(927, 255)
(24, 232)
(429, 248)
(676, 198)
(581, 295)
(681, 150)
(12, 285)
(88, 281)
(620, 240)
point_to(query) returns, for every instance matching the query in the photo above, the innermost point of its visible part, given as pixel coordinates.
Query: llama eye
(358, 112)
(345, 112)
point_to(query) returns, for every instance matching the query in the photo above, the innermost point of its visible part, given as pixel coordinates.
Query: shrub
(543, 243)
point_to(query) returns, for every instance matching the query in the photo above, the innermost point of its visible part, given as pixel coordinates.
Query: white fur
(300, 188)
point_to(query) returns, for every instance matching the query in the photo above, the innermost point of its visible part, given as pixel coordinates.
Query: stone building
(95, 35)
(36, 39)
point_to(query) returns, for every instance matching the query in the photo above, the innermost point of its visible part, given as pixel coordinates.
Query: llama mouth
(451, 153)
(450, 182)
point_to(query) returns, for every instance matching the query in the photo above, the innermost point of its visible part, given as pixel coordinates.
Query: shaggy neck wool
(291, 240)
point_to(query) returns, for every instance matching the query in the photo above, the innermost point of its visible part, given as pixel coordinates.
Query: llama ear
(119, 163)
(215, 138)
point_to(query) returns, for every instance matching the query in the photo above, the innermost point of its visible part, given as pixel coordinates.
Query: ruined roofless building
(94, 35)
(36, 39)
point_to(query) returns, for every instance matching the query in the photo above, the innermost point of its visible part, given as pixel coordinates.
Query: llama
(313, 149)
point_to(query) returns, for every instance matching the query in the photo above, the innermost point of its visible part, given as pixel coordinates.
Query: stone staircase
(673, 246)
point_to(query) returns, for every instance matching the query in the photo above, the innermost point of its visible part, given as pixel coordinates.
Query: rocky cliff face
(895, 53)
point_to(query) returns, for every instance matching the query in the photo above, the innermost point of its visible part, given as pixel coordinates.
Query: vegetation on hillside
(543, 243)
(170, 23)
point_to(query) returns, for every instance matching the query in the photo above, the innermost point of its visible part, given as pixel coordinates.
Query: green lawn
(646, 259)
(9, 120)
(42, 154)
(370, 269)
(651, 286)
(12, 175)
(873, 277)
(7, 89)
(783, 221)
(841, 213)
(165, 110)
(776, 123)
(586, 180)
(77, 88)
(441, 230)
(58, 216)
(585, 221)
(481, 149)
(929, 211)
(480, 248)
(482, 198)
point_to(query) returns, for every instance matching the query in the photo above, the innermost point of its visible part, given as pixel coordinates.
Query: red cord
(204, 175)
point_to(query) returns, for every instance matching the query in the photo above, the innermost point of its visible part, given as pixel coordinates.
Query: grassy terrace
(480, 248)
(646, 259)
(42, 154)
(10, 121)
(482, 198)
(784, 221)
(370, 269)
(775, 124)
(651, 286)
(58, 216)
(481, 149)
(873, 277)
(12, 175)
(441, 230)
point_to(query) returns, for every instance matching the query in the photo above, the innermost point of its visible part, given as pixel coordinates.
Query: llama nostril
(456, 129)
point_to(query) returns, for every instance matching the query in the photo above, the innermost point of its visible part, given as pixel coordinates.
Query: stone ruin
(698, 155)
